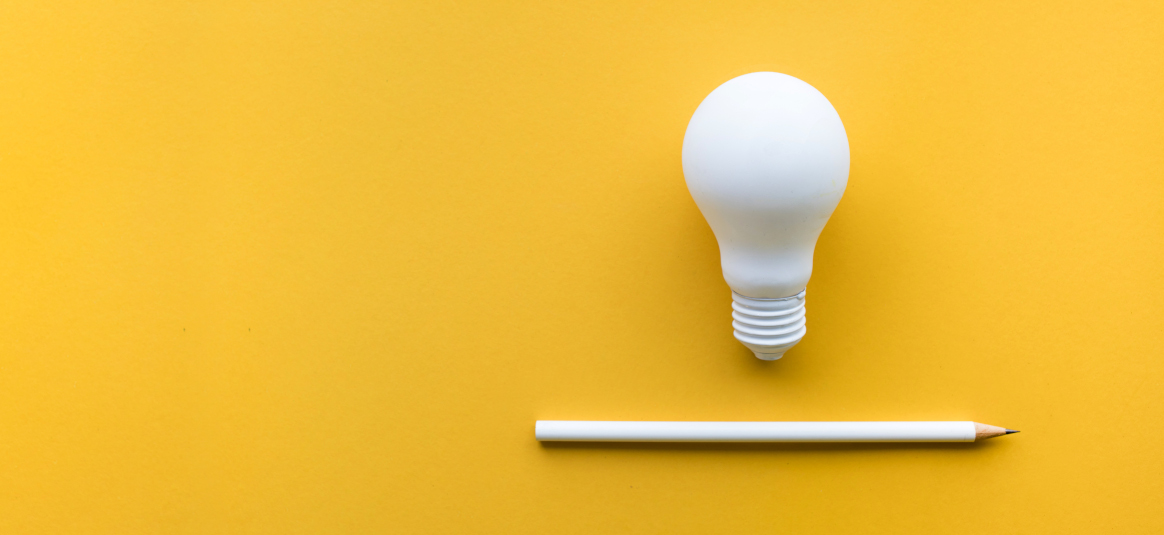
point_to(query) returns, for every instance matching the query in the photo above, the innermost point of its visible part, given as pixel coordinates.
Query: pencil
(600, 431)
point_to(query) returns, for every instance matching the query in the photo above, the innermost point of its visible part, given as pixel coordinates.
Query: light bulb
(766, 159)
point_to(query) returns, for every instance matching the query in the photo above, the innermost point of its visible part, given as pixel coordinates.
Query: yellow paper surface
(317, 267)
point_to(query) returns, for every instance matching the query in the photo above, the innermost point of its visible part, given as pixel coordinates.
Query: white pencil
(592, 431)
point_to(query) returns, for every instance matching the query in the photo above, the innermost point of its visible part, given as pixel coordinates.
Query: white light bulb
(766, 159)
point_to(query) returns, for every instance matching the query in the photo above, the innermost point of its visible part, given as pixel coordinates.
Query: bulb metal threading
(769, 327)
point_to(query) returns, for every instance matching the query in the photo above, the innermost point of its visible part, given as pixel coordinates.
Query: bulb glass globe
(766, 159)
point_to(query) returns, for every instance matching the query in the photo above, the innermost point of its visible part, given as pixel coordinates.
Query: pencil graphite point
(1009, 431)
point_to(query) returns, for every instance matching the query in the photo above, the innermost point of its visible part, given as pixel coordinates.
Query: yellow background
(317, 267)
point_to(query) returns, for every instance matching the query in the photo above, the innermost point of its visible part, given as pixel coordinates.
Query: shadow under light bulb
(766, 159)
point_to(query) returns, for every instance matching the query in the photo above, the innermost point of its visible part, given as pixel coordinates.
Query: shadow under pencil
(766, 446)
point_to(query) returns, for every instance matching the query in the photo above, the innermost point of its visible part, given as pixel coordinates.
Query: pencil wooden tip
(982, 431)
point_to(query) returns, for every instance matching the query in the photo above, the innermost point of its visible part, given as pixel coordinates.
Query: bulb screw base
(768, 327)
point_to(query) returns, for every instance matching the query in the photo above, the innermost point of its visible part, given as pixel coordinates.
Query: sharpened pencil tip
(1009, 431)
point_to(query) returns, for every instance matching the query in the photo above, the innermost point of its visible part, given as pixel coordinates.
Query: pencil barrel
(607, 431)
